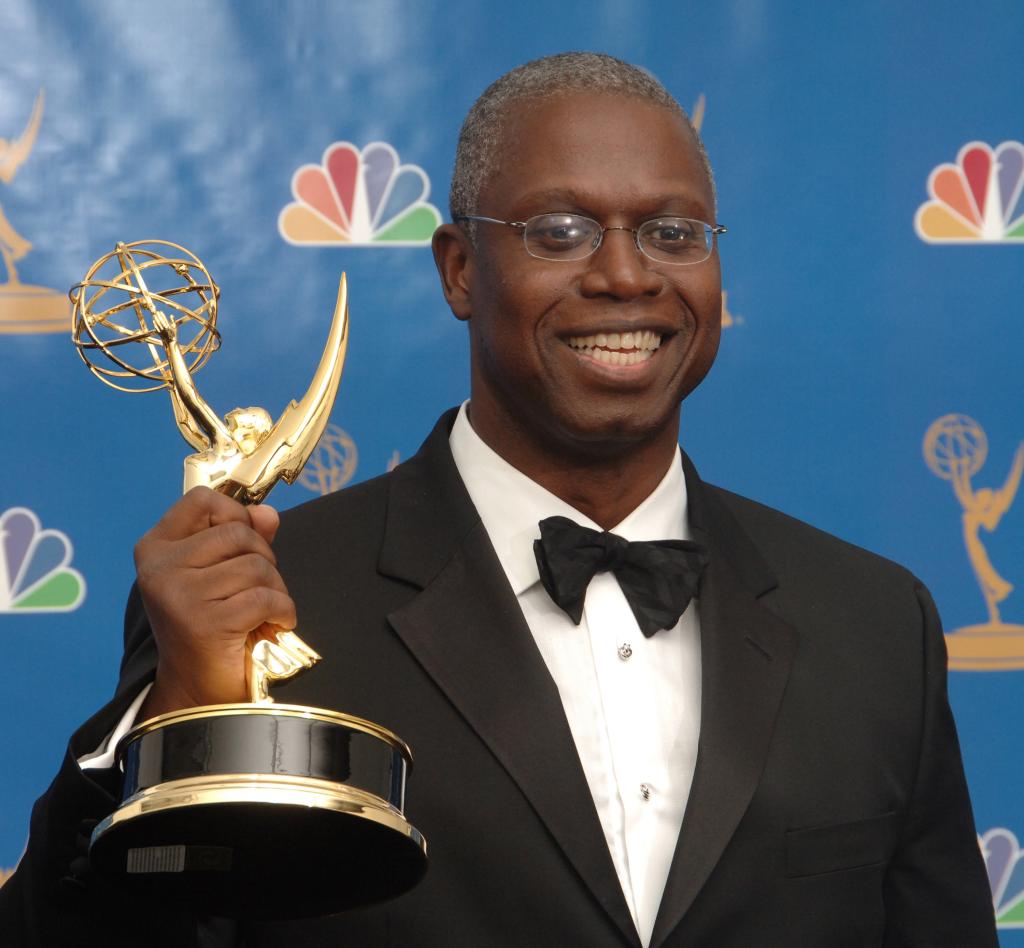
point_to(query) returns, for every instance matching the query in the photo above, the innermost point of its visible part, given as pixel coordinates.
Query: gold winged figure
(12, 156)
(244, 454)
(984, 508)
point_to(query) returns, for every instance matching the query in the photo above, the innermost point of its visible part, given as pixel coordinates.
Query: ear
(453, 254)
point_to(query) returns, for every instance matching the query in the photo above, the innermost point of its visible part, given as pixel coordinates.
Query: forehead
(599, 153)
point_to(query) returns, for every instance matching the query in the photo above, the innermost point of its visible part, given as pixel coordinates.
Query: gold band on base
(262, 788)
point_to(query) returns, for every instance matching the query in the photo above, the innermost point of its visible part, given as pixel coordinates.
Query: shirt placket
(630, 708)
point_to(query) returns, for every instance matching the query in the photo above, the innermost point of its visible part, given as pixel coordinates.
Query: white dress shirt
(633, 704)
(104, 755)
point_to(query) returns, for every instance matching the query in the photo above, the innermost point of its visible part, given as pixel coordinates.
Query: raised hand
(209, 580)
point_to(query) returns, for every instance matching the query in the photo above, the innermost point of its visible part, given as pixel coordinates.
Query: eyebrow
(555, 195)
(584, 202)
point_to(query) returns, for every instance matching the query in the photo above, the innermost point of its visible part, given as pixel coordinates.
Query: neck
(606, 483)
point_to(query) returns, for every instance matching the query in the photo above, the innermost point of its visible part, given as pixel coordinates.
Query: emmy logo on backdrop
(333, 462)
(955, 449)
(24, 308)
(728, 318)
(697, 119)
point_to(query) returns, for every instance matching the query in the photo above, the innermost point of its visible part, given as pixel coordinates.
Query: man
(776, 765)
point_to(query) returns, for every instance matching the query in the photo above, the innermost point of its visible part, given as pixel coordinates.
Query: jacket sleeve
(936, 889)
(53, 899)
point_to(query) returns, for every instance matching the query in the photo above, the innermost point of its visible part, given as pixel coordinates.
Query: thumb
(264, 520)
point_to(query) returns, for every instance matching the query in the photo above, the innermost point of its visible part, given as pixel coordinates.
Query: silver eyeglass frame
(711, 231)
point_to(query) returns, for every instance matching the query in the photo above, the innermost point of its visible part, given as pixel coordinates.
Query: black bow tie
(658, 577)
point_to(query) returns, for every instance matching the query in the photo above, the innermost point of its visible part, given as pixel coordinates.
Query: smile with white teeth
(615, 348)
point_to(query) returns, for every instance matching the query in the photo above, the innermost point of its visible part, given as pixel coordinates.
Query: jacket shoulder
(356, 507)
(792, 546)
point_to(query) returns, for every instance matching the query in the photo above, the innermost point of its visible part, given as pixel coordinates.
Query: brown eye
(675, 239)
(558, 233)
(670, 232)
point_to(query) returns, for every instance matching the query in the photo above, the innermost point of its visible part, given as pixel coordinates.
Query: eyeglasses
(674, 240)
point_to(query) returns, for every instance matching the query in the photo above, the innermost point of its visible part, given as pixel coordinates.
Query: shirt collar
(511, 505)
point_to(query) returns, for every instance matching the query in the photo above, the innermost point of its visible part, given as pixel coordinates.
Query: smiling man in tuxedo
(711, 725)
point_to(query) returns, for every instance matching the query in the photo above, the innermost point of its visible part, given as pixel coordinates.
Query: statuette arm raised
(195, 418)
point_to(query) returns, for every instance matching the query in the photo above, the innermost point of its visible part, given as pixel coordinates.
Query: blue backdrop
(858, 322)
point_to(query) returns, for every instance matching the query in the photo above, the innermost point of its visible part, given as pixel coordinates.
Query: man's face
(621, 161)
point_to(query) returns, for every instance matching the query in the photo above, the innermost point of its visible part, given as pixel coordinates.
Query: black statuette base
(262, 811)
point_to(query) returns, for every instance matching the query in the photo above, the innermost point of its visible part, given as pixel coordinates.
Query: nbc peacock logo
(976, 200)
(35, 566)
(359, 198)
(1004, 862)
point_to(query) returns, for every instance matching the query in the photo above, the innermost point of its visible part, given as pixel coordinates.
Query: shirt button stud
(645, 791)
(625, 651)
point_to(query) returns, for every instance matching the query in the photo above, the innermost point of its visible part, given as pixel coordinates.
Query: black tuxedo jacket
(828, 806)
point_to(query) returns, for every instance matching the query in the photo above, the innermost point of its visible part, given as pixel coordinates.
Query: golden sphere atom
(114, 306)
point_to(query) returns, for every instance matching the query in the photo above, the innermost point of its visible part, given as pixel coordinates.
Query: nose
(618, 269)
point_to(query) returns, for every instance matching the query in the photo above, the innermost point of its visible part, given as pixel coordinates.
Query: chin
(604, 435)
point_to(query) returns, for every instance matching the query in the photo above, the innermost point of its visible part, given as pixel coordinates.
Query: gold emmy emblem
(955, 449)
(24, 308)
(224, 803)
(333, 463)
(697, 118)
(727, 317)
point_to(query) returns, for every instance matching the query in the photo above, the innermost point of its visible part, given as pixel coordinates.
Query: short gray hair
(476, 155)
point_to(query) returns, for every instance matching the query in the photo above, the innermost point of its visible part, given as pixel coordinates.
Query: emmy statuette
(254, 809)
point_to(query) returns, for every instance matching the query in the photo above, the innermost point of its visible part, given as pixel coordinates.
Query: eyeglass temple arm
(488, 220)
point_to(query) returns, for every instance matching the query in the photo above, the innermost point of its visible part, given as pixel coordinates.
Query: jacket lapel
(467, 631)
(746, 655)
